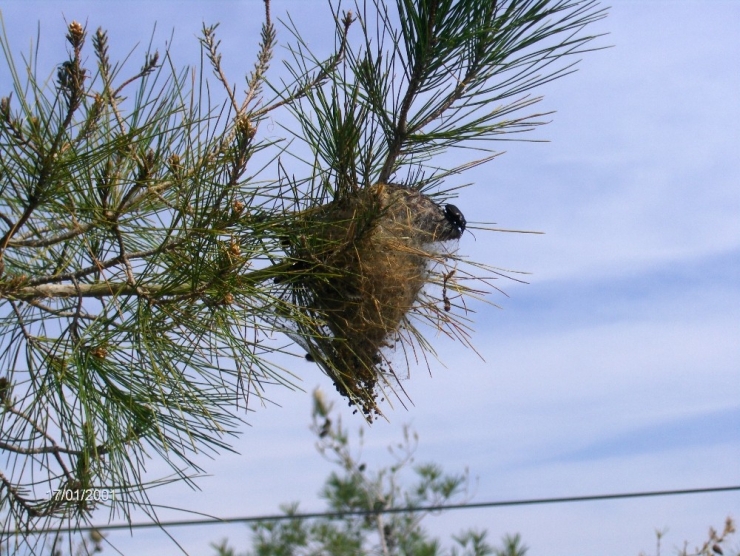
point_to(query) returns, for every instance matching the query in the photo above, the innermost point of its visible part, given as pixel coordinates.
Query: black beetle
(455, 217)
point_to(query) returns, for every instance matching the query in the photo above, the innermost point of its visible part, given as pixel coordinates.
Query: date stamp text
(82, 495)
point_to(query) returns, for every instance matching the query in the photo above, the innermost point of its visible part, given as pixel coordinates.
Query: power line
(340, 515)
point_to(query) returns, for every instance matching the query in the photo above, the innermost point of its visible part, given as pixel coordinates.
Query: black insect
(456, 218)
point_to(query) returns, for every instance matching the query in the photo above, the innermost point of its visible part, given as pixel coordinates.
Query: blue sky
(617, 368)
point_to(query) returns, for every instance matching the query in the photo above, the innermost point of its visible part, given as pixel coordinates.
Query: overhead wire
(360, 513)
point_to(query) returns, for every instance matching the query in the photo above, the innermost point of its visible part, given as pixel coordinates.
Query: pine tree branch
(326, 70)
(104, 265)
(108, 289)
(53, 240)
(401, 132)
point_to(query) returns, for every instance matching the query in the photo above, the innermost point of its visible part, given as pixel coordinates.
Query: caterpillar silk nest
(360, 263)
